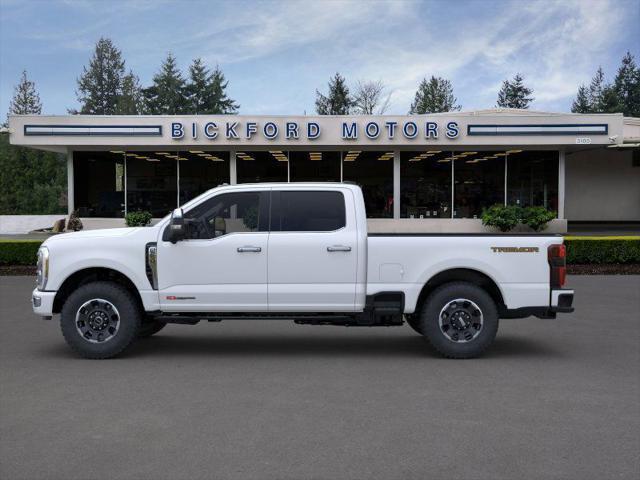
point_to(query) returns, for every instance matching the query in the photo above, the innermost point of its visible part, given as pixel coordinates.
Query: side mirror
(176, 226)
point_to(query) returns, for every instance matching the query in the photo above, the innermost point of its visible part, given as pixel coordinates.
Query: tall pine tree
(219, 102)
(514, 94)
(130, 101)
(627, 86)
(338, 100)
(31, 181)
(596, 91)
(582, 103)
(196, 88)
(25, 99)
(206, 92)
(100, 85)
(167, 94)
(433, 96)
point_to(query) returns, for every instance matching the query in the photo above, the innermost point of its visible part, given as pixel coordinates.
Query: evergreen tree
(25, 99)
(206, 92)
(167, 95)
(433, 96)
(581, 104)
(338, 101)
(31, 181)
(100, 85)
(514, 94)
(627, 86)
(596, 91)
(196, 89)
(218, 101)
(130, 101)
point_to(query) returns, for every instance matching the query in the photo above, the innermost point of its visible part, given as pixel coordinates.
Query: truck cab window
(225, 214)
(308, 211)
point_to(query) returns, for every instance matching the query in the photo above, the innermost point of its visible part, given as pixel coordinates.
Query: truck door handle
(338, 248)
(249, 249)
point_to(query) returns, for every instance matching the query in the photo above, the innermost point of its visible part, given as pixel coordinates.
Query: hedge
(19, 252)
(600, 250)
(580, 250)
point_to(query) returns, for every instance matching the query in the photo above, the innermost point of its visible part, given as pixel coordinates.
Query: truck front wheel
(459, 319)
(100, 320)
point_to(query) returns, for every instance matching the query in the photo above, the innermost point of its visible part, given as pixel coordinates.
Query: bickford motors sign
(310, 130)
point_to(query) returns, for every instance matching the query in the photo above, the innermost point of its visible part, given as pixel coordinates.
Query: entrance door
(222, 264)
(313, 251)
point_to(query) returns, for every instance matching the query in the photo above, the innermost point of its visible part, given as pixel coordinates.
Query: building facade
(418, 173)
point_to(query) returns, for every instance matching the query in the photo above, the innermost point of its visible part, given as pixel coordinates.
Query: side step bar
(341, 320)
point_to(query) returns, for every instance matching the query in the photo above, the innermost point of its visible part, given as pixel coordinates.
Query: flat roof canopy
(503, 127)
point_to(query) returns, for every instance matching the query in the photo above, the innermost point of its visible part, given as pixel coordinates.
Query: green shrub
(585, 250)
(499, 216)
(19, 252)
(138, 219)
(507, 217)
(536, 217)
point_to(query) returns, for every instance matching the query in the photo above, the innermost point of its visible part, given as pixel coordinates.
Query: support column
(506, 171)
(125, 185)
(561, 177)
(177, 183)
(233, 172)
(396, 184)
(70, 183)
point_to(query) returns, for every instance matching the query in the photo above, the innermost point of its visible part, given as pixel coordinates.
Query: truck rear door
(313, 250)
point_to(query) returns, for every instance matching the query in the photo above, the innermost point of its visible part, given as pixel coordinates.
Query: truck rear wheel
(459, 319)
(100, 320)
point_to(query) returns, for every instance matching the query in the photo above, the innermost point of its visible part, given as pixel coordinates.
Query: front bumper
(42, 302)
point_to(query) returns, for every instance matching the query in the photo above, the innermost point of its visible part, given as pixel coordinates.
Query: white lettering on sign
(583, 141)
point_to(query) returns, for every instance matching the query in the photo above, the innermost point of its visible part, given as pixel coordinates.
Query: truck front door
(221, 265)
(313, 251)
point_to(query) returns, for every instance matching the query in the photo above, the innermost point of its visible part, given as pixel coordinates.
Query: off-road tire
(129, 312)
(442, 297)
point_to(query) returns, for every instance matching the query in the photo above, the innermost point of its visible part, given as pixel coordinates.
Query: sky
(275, 54)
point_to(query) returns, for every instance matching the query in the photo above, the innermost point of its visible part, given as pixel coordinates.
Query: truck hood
(149, 233)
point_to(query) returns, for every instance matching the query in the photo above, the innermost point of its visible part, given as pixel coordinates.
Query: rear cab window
(307, 211)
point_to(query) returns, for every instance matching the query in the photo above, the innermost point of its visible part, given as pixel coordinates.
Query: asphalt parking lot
(273, 400)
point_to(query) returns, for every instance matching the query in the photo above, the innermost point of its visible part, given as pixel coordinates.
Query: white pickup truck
(296, 251)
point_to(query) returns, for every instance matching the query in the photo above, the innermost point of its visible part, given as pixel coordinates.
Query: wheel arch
(92, 274)
(470, 275)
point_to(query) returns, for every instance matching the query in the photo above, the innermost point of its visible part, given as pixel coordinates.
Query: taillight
(557, 255)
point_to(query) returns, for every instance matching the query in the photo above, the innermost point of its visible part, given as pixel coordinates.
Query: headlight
(42, 272)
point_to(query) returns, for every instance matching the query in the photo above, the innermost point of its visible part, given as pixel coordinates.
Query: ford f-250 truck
(299, 252)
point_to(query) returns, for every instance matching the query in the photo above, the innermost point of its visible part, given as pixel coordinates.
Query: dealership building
(418, 172)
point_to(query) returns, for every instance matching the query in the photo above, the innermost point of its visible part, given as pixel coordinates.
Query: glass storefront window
(315, 166)
(373, 171)
(478, 182)
(152, 182)
(201, 171)
(425, 184)
(99, 184)
(152, 178)
(262, 166)
(532, 178)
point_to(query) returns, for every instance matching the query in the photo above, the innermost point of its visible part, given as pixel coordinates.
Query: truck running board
(359, 320)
